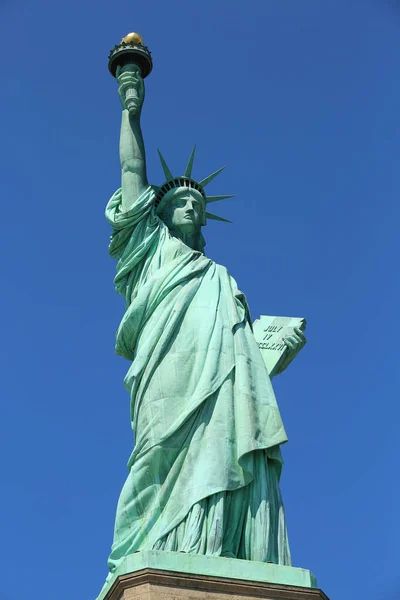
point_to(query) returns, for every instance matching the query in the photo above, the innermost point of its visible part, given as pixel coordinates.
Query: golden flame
(133, 37)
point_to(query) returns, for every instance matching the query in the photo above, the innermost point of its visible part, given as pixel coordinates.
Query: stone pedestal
(150, 584)
(142, 577)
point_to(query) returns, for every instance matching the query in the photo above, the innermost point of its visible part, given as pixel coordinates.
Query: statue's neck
(190, 239)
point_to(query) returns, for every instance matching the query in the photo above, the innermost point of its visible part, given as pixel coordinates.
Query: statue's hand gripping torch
(131, 88)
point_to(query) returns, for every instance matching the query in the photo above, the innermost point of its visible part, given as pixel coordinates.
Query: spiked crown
(186, 181)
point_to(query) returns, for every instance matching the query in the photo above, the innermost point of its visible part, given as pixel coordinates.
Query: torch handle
(131, 99)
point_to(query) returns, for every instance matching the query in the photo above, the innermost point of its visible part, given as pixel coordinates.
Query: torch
(131, 50)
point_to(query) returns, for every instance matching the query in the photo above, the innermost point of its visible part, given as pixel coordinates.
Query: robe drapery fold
(204, 472)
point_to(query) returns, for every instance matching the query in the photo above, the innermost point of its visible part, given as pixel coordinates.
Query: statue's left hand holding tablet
(294, 343)
(130, 79)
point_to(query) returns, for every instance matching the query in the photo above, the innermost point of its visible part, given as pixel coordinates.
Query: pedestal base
(158, 575)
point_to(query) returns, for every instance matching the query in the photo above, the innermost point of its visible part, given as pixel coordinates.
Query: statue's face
(184, 212)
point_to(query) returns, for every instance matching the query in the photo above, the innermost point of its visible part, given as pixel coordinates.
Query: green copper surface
(203, 477)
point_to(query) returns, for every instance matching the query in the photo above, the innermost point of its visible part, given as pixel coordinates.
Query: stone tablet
(269, 333)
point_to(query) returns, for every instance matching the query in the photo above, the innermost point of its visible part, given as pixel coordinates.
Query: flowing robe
(204, 473)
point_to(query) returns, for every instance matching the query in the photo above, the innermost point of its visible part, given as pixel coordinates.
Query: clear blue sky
(300, 98)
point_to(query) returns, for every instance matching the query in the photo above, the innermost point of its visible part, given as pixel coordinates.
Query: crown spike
(216, 218)
(167, 172)
(188, 171)
(210, 199)
(207, 180)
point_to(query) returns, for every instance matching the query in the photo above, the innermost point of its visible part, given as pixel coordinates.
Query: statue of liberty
(205, 469)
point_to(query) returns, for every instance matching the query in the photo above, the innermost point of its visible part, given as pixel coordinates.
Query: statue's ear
(204, 219)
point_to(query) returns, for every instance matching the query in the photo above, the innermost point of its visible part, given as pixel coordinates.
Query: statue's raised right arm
(131, 148)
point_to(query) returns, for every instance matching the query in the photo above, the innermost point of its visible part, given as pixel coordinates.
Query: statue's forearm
(133, 159)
